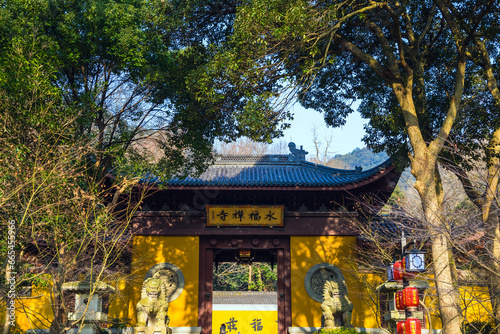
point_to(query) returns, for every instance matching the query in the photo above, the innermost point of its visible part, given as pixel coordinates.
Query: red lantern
(404, 268)
(400, 327)
(412, 326)
(410, 297)
(398, 273)
(400, 306)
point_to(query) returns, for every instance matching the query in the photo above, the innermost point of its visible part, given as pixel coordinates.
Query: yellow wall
(32, 312)
(339, 251)
(148, 251)
(476, 303)
(184, 253)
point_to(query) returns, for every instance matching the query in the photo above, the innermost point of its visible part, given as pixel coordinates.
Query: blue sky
(345, 139)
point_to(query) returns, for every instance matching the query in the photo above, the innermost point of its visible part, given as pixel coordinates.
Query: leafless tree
(245, 146)
(322, 146)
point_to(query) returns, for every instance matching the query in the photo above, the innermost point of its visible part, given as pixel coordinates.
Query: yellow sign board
(244, 215)
(245, 320)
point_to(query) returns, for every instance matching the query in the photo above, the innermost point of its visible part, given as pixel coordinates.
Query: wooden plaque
(245, 215)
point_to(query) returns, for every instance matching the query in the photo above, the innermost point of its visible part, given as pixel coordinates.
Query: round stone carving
(171, 276)
(317, 276)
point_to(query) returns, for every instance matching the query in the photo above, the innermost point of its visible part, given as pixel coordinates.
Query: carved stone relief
(172, 278)
(316, 278)
(325, 283)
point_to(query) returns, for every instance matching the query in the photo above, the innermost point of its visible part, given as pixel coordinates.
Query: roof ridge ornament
(297, 154)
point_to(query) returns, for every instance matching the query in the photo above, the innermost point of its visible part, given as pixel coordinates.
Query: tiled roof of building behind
(245, 297)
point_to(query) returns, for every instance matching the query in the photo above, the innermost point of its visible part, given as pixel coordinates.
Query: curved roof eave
(372, 174)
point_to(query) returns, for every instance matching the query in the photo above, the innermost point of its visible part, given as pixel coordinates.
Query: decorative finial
(297, 154)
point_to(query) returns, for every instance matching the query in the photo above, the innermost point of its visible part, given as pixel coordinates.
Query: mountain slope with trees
(363, 157)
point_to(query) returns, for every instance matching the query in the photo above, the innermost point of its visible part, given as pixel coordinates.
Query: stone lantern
(89, 294)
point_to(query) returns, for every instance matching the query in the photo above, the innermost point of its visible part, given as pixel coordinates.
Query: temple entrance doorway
(245, 297)
(244, 311)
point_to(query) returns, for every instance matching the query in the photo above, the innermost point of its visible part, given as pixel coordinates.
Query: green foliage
(224, 83)
(88, 88)
(340, 330)
(132, 87)
(397, 198)
(233, 277)
(466, 206)
(65, 223)
(276, 48)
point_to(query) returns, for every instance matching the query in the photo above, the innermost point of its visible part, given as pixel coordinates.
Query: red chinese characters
(400, 306)
(400, 327)
(410, 298)
(405, 270)
(412, 326)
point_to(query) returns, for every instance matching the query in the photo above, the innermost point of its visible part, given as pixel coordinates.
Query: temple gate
(278, 209)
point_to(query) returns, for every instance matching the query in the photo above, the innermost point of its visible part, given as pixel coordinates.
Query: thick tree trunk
(428, 184)
(425, 150)
(449, 302)
(430, 190)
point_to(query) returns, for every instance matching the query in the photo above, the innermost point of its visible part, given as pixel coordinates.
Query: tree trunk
(428, 184)
(249, 276)
(260, 286)
(60, 315)
(57, 298)
(449, 302)
(430, 191)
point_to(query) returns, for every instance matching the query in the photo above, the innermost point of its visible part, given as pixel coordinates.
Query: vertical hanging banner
(245, 215)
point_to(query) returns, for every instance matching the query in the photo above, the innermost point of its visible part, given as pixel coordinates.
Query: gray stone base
(152, 330)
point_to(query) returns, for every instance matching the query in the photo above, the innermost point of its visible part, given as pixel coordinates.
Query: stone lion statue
(336, 306)
(152, 309)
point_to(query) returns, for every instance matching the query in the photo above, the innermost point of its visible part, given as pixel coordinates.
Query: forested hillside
(358, 157)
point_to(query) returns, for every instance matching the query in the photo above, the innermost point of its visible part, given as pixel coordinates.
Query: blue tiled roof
(274, 171)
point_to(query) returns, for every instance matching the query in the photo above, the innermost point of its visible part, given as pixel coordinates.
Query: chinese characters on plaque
(231, 325)
(245, 318)
(244, 215)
